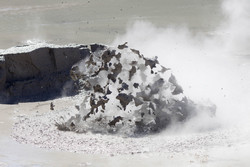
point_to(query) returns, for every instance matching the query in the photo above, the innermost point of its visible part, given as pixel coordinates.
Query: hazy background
(90, 21)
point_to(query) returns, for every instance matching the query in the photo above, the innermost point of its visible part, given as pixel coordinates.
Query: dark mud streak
(115, 120)
(53, 58)
(132, 72)
(123, 46)
(124, 99)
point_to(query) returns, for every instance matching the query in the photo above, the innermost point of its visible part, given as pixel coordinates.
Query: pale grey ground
(43, 145)
(90, 21)
(39, 130)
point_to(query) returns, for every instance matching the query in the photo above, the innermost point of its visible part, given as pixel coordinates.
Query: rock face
(2, 72)
(28, 74)
(126, 93)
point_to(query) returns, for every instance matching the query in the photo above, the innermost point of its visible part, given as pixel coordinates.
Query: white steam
(211, 68)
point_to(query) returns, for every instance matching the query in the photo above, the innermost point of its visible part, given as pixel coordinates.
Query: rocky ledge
(39, 72)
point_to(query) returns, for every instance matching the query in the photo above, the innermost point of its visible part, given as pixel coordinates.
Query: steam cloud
(210, 67)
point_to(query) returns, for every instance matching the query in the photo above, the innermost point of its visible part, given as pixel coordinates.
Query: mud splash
(127, 93)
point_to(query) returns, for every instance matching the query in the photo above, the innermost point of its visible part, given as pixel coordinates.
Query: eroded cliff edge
(39, 72)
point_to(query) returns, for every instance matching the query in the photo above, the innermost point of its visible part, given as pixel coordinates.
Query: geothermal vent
(121, 91)
(127, 93)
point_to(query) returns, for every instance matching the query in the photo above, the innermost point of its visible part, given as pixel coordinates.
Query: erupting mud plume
(127, 93)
